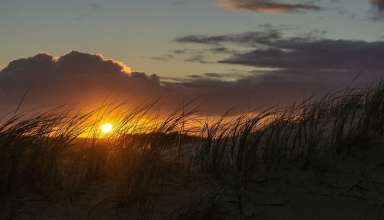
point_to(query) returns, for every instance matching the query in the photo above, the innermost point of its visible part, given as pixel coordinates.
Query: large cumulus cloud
(76, 78)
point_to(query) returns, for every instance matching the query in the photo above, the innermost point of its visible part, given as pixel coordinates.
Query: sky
(135, 31)
(210, 48)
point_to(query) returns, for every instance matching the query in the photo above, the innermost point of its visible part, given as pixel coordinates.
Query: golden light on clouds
(263, 6)
(124, 67)
(239, 6)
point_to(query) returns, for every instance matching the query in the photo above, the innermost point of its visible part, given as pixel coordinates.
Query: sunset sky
(230, 52)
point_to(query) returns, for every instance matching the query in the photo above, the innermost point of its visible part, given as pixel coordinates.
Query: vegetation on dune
(46, 153)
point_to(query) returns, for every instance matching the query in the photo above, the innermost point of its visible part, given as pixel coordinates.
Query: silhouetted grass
(47, 152)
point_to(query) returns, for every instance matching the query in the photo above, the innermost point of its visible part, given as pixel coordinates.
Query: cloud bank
(76, 78)
(287, 68)
(309, 52)
(293, 68)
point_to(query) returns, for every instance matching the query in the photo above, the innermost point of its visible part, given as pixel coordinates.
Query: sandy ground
(352, 189)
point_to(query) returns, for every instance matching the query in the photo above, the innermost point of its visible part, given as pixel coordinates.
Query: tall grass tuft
(49, 152)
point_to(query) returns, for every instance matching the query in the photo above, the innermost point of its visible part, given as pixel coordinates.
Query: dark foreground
(321, 159)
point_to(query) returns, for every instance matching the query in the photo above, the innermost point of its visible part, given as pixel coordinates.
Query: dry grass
(45, 153)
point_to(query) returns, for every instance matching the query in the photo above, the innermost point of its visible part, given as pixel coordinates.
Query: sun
(106, 128)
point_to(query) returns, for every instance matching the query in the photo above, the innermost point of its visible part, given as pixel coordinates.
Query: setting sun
(106, 128)
(262, 109)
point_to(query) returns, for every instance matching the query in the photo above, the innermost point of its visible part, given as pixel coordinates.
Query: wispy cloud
(378, 9)
(268, 6)
(379, 4)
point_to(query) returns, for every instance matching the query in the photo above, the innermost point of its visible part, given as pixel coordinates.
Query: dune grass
(47, 153)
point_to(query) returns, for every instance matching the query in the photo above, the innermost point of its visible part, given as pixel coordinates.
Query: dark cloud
(271, 49)
(379, 4)
(378, 9)
(164, 58)
(73, 64)
(75, 78)
(80, 79)
(220, 50)
(215, 76)
(266, 6)
(321, 54)
(247, 38)
(253, 92)
(199, 58)
(288, 68)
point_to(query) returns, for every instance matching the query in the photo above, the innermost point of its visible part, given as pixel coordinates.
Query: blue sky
(224, 53)
(135, 31)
